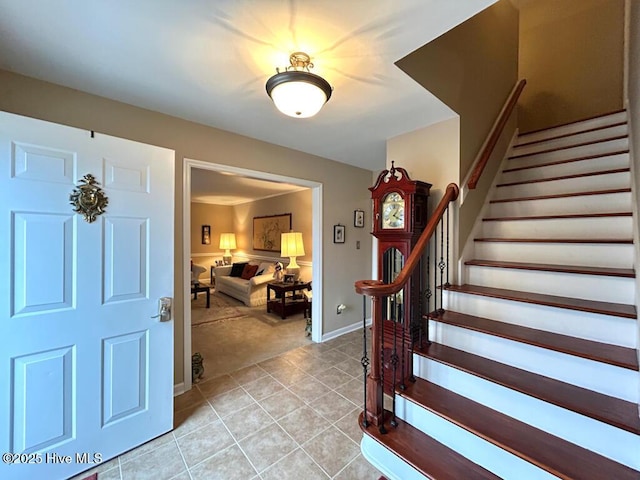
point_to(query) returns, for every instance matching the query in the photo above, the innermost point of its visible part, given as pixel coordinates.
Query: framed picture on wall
(358, 218)
(338, 233)
(206, 234)
(267, 231)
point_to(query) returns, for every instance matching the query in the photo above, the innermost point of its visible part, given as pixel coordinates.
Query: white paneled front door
(86, 373)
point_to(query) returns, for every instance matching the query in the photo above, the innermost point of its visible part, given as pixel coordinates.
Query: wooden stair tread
(548, 452)
(555, 240)
(565, 135)
(604, 308)
(605, 271)
(565, 177)
(425, 454)
(601, 352)
(567, 147)
(567, 160)
(562, 195)
(558, 217)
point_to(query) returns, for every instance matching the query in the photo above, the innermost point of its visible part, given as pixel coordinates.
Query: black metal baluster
(364, 361)
(441, 266)
(428, 293)
(394, 366)
(404, 346)
(435, 270)
(381, 427)
(448, 233)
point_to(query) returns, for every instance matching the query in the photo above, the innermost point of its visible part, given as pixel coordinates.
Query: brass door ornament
(89, 199)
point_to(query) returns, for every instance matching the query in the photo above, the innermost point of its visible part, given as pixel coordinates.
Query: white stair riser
(588, 287)
(590, 326)
(600, 227)
(612, 442)
(487, 455)
(605, 203)
(593, 136)
(601, 148)
(585, 254)
(387, 462)
(570, 185)
(575, 127)
(607, 379)
(608, 162)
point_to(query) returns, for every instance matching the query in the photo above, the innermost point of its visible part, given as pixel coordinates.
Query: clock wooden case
(400, 213)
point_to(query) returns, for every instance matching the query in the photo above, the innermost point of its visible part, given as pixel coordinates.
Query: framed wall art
(338, 233)
(267, 230)
(358, 218)
(206, 234)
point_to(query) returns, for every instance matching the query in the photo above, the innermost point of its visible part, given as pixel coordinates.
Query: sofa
(249, 289)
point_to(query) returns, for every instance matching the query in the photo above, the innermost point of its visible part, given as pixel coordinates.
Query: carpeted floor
(230, 335)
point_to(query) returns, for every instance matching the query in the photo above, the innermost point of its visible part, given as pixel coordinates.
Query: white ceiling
(208, 61)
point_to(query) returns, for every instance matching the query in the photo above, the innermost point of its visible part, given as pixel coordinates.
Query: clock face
(393, 211)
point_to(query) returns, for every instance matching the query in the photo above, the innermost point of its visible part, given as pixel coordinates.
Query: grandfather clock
(400, 215)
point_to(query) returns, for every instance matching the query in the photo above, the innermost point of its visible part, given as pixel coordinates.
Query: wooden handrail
(495, 134)
(377, 288)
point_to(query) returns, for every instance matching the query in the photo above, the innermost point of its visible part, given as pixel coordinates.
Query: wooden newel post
(375, 399)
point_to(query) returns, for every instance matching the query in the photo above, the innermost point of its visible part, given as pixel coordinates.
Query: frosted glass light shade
(227, 241)
(291, 246)
(298, 94)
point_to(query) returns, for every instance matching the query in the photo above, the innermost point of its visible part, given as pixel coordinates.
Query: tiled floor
(293, 416)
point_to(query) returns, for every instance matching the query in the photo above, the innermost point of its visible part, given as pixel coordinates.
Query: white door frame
(316, 259)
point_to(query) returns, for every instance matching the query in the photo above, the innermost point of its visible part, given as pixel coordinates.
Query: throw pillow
(249, 271)
(236, 269)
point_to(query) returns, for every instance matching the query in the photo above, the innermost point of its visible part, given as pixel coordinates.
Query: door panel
(83, 365)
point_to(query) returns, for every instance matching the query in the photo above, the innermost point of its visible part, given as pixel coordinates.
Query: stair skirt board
(573, 166)
(589, 326)
(604, 203)
(607, 440)
(600, 227)
(604, 181)
(476, 449)
(575, 285)
(600, 148)
(575, 139)
(387, 462)
(575, 127)
(581, 254)
(597, 376)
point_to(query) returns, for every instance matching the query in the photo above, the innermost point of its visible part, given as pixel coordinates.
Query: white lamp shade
(227, 241)
(291, 244)
(298, 99)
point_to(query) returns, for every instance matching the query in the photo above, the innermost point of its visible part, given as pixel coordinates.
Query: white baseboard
(344, 330)
(178, 389)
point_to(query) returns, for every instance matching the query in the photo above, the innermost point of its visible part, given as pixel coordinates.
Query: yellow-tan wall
(344, 187)
(218, 217)
(472, 68)
(571, 53)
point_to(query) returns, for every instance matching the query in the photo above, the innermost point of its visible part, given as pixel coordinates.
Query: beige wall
(472, 68)
(218, 217)
(344, 187)
(571, 53)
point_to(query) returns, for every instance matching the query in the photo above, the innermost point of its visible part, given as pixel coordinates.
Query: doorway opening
(190, 169)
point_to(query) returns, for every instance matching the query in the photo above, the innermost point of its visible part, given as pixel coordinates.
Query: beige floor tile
(230, 464)
(315, 365)
(267, 446)
(147, 447)
(331, 406)
(248, 374)
(352, 350)
(334, 356)
(231, 401)
(303, 424)
(289, 376)
(190, 419)
(276, 363)
(351, 366)
(353, 391)
(189, 399)
(295, 466)
(247, 421)
(359, 469)
(217, 386)
(204, 442)
(333, 377)
(349, 425)
(263, 388)
(281, 404)
(332, 450)
(160, 464)
(309, 390)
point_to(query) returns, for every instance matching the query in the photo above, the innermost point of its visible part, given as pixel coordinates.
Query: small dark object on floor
(307, 328)
(197, 368)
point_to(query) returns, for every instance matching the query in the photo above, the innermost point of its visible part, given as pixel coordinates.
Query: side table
(286, 301)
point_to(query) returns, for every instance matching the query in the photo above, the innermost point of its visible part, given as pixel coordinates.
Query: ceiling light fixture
(297, 92)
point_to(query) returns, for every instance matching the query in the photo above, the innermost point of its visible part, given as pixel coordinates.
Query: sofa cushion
(265, 268)
(249, 271)
(237, 269)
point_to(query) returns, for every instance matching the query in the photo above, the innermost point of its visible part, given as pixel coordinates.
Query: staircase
(532, 371)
